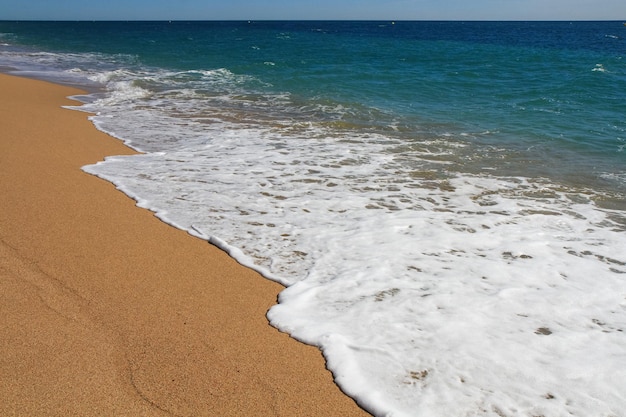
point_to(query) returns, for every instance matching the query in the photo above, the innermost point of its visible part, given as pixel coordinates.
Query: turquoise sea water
(444, 200)
(555, 88)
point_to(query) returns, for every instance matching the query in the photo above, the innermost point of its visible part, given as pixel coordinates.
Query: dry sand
(105, 310)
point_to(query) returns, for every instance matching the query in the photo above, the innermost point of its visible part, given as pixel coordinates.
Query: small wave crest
(599, 68)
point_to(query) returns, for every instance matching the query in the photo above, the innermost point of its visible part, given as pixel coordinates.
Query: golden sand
(107, 311)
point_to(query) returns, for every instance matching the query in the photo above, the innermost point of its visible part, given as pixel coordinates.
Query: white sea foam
(467, 295)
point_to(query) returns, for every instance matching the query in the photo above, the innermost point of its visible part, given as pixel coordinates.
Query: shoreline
(107, 310)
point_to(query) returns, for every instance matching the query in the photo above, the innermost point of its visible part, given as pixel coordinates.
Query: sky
(312, 9)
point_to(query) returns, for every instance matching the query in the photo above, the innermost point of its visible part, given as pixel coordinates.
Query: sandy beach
(105, 310)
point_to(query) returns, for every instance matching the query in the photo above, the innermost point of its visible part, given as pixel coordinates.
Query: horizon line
(312, 20)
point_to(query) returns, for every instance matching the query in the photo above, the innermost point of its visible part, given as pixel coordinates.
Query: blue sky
(313, 9)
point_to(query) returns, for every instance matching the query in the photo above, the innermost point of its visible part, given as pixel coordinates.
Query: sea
(444, 202)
